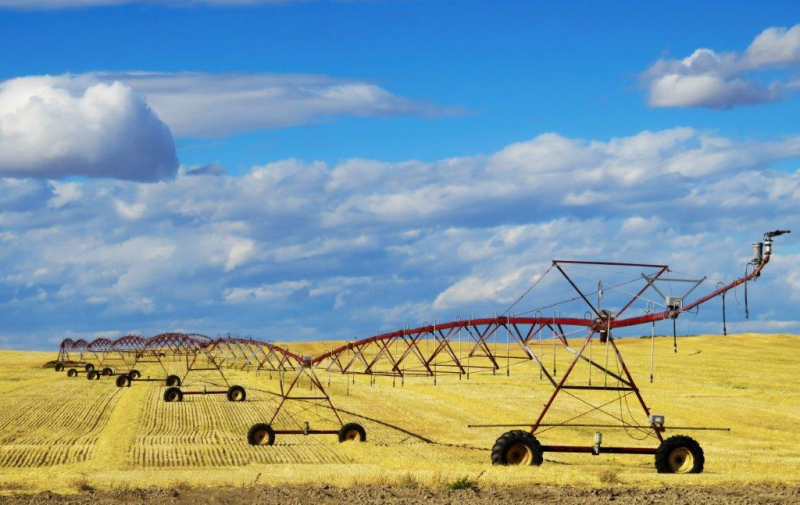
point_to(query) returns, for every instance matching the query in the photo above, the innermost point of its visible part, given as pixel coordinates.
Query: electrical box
(674, 302)
(656, 419)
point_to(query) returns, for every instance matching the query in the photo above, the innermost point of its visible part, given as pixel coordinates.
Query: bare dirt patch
(408, 495)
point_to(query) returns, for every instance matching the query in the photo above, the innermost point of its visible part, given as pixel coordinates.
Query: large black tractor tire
(172, 395)
(236, 394)
(517, 447)
(108, 371)
(173, 381)
(123, 381)
(59, 367)
(72, 372)
(134, 374)
(261, 434)
(680, 454)
(88, 367)
(352, 432)
(93, 375)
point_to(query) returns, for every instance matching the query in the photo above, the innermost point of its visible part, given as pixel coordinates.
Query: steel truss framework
(459, 347)
(197, 353)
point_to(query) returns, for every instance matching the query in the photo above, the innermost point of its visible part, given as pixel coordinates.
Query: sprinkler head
(776, 233)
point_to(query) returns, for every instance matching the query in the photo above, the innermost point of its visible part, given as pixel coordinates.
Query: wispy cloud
(196, 104)
(715, 80)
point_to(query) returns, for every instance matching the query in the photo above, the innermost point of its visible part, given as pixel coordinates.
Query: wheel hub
(681, 460)
(519, 454)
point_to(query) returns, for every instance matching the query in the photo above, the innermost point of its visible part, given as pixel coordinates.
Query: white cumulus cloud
(300, 249)
(48, 130)
(715, 80)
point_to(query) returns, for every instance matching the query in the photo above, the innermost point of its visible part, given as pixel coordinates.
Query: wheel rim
(260, 436)
(172, 396)
(352, 435)
(236, 395)
(681, 460)
(519, 454)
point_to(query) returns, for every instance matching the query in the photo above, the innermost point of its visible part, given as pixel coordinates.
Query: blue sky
(517, 68)
(367, 164)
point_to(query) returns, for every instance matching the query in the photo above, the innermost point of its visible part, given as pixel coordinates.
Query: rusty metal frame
(305, 369)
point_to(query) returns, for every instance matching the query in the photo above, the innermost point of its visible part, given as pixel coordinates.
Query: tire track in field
(115, 441)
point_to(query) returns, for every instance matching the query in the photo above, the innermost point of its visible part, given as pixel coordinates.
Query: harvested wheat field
(69, 435)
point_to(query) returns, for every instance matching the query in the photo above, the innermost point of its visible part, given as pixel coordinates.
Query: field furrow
(64, 432)
(54, 428)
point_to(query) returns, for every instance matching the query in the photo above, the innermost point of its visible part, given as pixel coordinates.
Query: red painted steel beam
(671, 314)
(260, 343)
(566, 321)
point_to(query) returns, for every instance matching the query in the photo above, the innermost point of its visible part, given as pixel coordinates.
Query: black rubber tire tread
(173, 395)
(362, 434)
(512, 437)
(72, 372)
(251, 434)
(134, 374)
(173, 380)
(675, 442)
(59, 367)
(107, 371)
(233, 389)
(123, 381)
(88, 367)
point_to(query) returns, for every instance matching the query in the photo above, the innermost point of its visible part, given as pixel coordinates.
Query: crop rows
(210, 431)
(64, 432)
(234, 452)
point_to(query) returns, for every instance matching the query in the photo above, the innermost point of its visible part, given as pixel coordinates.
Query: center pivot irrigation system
(461, 348)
